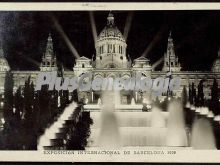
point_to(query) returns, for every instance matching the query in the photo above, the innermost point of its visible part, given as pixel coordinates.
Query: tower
(171, 62)
(49, 62)
(4, 66)
(216, 64)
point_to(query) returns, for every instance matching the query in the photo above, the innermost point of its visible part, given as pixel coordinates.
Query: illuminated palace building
(112, 61)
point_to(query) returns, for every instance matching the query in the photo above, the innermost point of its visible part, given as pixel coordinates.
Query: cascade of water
(99, 101)
(202, 135)
(109, 133)
(176, 134)
(157, 118)
(132, 101)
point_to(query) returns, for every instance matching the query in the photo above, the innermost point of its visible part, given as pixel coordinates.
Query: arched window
(108, 48)
(113, 48)
(100, 57)
(120, 49)
(83, 65)
(102, 48)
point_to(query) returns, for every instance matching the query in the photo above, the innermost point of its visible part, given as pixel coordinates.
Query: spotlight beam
(65, 37)
(158, 62)
(156, 38)
(128, 25)
(28, 59)
(93, 25)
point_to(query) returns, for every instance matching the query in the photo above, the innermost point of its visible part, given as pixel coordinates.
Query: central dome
(111, 47)
(110, 30)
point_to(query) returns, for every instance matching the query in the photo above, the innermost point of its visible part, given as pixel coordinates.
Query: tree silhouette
(184, 96)
(64, 98)
(214, 104)
(28, 101)
(194, 98)
(190, 94)
(74, 96)
(79, 137)
(200, 97)
(29, 133)
(18, 102)
(9, 130)
(8, 99)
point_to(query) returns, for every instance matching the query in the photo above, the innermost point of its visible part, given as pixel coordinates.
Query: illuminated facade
(112, 61)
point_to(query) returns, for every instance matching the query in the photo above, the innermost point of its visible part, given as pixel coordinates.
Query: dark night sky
(196, 35)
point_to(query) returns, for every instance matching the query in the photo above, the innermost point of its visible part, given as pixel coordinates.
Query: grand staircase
(55, 137)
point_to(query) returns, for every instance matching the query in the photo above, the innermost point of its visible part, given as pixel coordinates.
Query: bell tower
(49, 62)
(171, 62)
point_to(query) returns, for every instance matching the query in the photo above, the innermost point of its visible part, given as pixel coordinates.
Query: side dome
(4, 66)
(216, 64)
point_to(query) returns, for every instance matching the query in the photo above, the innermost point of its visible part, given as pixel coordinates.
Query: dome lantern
(110, 19)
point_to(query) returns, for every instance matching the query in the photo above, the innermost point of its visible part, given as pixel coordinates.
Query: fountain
(187, 105)
(99, 101)
(114, 128)
(132, 101)
(109, 133)
(202, 135)
(157, 118)
(176, 133)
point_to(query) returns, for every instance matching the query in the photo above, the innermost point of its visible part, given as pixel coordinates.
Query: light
(2, 103)
(128, 25)
(87, 100)
(93, 26)
(148, 106)
(14, 110)
(204, 111)
(169, 98)
(217, 118)
(158, 62)
(210, 114)
(70, 97)
(198, 109)
(65, 37)
(188, 105)
(192, 107)
(156, 38)
(3, 120)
